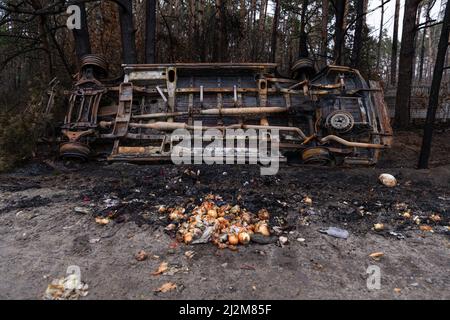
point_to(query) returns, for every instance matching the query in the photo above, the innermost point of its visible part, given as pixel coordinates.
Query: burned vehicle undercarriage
(328, 117)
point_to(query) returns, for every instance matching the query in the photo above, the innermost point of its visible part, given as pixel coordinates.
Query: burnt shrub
(20, 133)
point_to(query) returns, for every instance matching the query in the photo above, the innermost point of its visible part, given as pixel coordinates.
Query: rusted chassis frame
(144, 82)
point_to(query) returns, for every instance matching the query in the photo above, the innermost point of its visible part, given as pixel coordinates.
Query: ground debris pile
(68, 288)
(218, 222)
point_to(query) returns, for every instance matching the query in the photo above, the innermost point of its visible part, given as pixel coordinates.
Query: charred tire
(74, 151)
(340, 121)
(304, 69)
(97, 62)
(317, 156)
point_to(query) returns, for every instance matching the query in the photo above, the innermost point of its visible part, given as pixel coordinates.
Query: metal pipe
(169, 126)
(161, 94)
(350, 143)
(216, 111)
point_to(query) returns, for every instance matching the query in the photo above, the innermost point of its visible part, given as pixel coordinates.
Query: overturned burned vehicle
(332, 116)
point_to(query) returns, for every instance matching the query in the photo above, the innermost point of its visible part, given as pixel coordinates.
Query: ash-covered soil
(47, 223)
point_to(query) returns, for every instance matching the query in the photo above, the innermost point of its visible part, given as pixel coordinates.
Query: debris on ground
(426, 228)
(68, 288)
(388, 180)
(308, 201)
(189, 254)
(166, 287)
(141, 256)
(378, 227)
(399, 236)
(283, 241)
(376, 255)
(83, 210)
(102, 221)
(161, 269)
(435, 218)
(335, 232)
(225, 225)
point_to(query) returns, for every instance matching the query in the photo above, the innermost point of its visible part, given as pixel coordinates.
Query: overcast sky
(373, 19)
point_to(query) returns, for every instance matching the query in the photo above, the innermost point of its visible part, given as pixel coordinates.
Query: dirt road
(42, 234)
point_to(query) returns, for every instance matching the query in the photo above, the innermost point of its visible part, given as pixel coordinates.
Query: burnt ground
(41, 234)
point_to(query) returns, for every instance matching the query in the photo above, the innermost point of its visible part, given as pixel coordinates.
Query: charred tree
(424, 35)
(359, 28)
(276, 18)
(303, 43)
(434, 90)
(324, 33)
(380, 37)
(150, 31)
(81, 36)
(406, 68)
(395, 44)
(129, 53)
(340, 8)
(222, 42)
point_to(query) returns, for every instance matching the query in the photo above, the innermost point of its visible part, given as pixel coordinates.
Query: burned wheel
(74, 151)
(303, 68)
(341, 121)
(317, 156)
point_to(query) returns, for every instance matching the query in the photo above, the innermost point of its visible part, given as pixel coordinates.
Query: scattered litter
(189, 254)
(166, 287)
(335, 232)
(162, 209)
(170, 227)
(426, 228)
(102, 221)
(301, 239)
(93, 241)
(141, 256)
(109, 203)
(83, 210)
(283, 241)
(397, 290)
(435, 218)
(406, 215)
(378, 227)
(388, 180)
(417, 220)
(172, 270)
(376, 255)
(247, 267)
(398, 235)
(161, 269)
(308, 201)
(68, 288)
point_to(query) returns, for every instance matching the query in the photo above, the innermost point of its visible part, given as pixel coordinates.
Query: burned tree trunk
(395, 44)
(339, 32)
(380, 37)
(150, 31)
(129, 54)
(434, 90)
(276, 18)
(357, 42)
(424, 35)
(405, 74)
(324, 33)
(222, 42)
(81, 36)
(303, 43)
